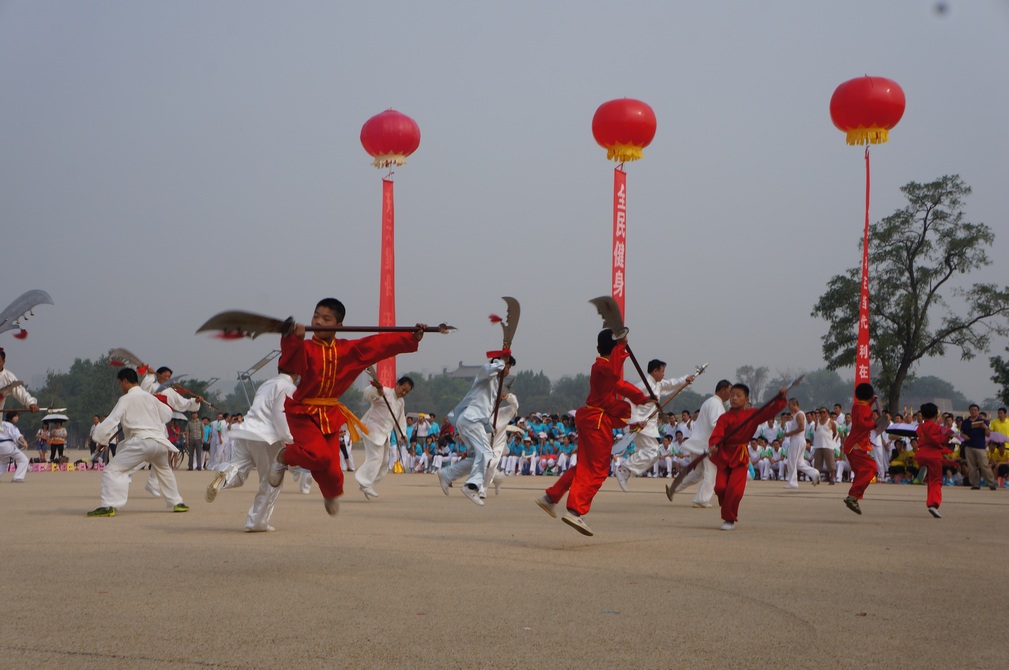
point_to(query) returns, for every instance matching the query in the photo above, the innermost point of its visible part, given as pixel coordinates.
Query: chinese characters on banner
(862, 353)
(618, 277)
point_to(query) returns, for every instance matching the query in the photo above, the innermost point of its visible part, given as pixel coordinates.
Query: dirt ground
(413, 579)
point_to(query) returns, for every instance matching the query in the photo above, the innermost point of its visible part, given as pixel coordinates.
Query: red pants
(316, 452)
(863, 469)
(730, 482)
(933, 479)
(595, 441)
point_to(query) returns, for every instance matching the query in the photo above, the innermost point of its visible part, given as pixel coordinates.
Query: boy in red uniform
(857, 447)
(932, 439)
(727, 447)
(328, 367)
(595, 420)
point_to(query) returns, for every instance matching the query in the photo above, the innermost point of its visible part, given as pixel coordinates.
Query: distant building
(463, 371)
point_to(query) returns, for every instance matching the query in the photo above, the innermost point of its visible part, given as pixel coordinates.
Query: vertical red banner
(862, 353)
(618, 276)
(387, 283)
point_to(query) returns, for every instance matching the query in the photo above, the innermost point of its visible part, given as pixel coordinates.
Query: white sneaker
(700, 505)
(576, 522)
(791, 486)
(728, 525)
(546, 505)
(332, 506)
(369, 492)
(934, 511)
(277, 470)
(622, 474)
(444, 481)
(817, 480)
(268, 529)
(215, 486)
(150, 487)
(473, 493)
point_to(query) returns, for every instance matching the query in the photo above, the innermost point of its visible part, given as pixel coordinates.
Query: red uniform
(732, 458)
(314, 412)
(932, 439)
(858, 448)
(603, 410)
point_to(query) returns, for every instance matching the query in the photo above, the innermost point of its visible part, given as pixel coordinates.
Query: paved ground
(417, 580)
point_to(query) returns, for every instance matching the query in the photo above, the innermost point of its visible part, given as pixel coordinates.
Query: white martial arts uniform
(142, 418)
(378, 441)
(149, 383)
(255, 444)
(10, 438)
(646, 441)
(506, 412)
(795, 449)
(701, 430)
(472, 419)
(6, 378)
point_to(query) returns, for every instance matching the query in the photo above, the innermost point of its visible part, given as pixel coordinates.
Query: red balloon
(390, 137)
(624, 127)
(866, 108)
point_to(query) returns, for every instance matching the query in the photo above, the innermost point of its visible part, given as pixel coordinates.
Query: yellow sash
(354, 425)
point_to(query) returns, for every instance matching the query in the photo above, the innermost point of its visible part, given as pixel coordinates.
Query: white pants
(796, 463)
(423, 461)
(646, 452)
(376, 455)
(348, 462)
(562, 462)
(763, 468)
(882, 462)
(20, 461)
(842, 467)
(304, 479)
(704, 473)
(511, 464)
(477, 440)
(247, 455)
(129, 455)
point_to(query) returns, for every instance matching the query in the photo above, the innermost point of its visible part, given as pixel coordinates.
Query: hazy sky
(165, 161)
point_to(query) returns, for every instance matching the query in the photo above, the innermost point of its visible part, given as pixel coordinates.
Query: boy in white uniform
(381, 424)
(255, 443)
(142, 417)
(712, 408)
(646, 441)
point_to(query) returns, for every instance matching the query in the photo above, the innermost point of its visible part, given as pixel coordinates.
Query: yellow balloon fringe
(397, 468)
(388, 160)
(867, 136)
(623, 153)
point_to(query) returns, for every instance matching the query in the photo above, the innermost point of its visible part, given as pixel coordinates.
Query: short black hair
(10, 416)
(864, 391)
(335, 306)
(929, 410)
(163, 369)
(722, 385)
(742, 387)
(655, 364)
(405, 380)
(128, 374)
(605, 342)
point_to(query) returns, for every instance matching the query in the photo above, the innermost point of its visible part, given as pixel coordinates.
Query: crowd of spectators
(547, 444)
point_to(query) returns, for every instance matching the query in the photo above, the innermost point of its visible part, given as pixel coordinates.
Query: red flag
(386, 369)
(862, 353)
(618, 275)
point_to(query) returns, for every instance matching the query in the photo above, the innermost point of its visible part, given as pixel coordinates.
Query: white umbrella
(55, 417)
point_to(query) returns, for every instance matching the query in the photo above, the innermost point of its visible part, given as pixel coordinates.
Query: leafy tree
(755, 378)
(1000, 367)
(916, 309)
(925, 389)
(819, 388)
